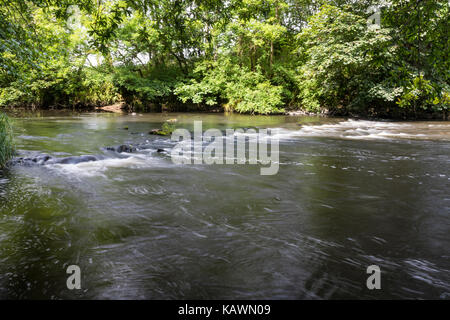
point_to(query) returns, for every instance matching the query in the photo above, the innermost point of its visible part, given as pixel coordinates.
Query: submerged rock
(125, 148)
(46, 159)
(31, 161)
(71, 160)
(128, 148)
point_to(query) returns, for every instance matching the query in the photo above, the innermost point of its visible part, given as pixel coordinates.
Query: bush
(97, 88)
(242, 90)
(139, 90)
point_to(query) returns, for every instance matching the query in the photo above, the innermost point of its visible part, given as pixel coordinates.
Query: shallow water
(348, 194)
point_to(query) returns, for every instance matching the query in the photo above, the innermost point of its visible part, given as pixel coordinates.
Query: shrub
(243, 90)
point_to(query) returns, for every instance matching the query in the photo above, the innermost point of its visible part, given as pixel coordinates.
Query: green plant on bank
(166, 130)
(6, 140)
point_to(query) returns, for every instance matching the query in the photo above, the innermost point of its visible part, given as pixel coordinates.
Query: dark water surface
(348, 194)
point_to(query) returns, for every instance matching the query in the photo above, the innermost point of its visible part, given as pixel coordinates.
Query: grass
(6, 140)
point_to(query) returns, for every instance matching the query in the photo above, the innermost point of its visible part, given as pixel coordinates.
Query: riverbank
(123, 108)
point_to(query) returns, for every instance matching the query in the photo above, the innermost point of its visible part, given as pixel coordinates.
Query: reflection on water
(348, 194)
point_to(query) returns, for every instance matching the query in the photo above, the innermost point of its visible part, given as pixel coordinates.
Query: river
(348, 194)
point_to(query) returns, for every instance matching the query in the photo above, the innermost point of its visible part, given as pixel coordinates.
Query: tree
(348, 66)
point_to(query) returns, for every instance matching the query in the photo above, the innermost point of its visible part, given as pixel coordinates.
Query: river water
(348, 194)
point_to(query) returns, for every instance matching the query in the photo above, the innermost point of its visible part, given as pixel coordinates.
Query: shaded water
(348, 194)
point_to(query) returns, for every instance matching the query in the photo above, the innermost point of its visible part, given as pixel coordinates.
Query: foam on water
(97, 168)
(367, 130)
(349, 129)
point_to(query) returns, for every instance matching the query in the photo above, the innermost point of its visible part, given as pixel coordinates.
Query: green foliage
(347, 63)
(52, 73)
(251, 93)
(145, 89)
(421, 35)
(97, 88)
(167, 128)
(421, 93)
(249, 56)
(6, 140)
(240, 89)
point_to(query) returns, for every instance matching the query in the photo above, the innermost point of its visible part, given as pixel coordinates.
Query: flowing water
(348, 194)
